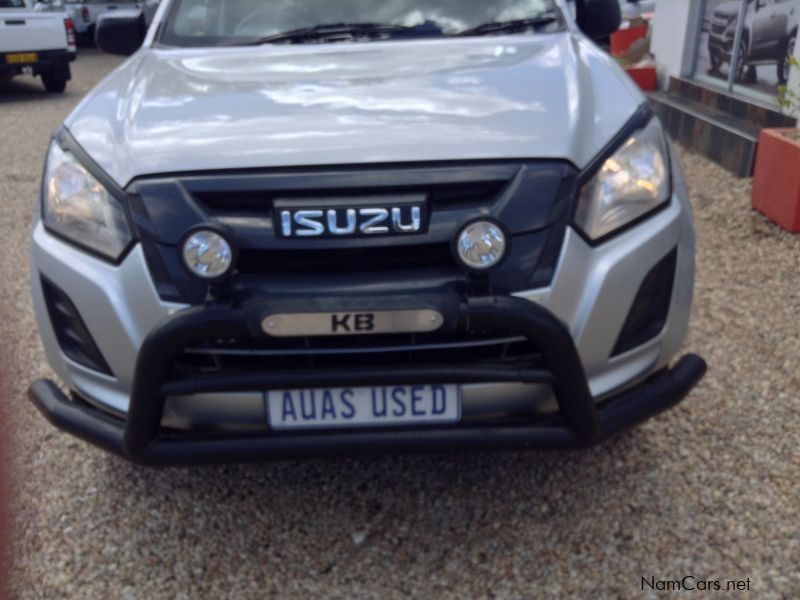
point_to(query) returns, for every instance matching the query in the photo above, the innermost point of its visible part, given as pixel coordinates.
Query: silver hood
(538, 96)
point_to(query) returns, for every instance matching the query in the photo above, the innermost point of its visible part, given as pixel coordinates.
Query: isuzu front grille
(532, 199)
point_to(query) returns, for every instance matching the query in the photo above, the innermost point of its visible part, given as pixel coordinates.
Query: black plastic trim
(92, 356)
(252, 179)
(648, 314)
(168, 290)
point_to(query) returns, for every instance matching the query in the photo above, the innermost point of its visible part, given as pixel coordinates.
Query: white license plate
(377, 406)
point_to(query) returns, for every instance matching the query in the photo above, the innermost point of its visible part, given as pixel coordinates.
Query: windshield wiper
(512, 26)
(327, 32)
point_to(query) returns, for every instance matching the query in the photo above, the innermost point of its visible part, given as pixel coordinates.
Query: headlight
(630, 184)
(78, 207)
(207, 254)
(481, 245)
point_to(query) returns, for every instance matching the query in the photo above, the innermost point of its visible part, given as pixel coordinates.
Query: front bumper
(579, 422)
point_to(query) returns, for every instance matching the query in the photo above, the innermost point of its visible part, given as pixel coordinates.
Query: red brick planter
(622, 39)
(776, 179)
(645, 77)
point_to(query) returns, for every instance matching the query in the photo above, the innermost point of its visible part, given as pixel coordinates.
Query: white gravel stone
(358, 537)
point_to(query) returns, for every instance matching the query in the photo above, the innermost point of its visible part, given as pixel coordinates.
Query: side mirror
(598, 19)
(120, 31)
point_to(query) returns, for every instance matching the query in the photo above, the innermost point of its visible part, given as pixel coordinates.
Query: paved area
(708, 490)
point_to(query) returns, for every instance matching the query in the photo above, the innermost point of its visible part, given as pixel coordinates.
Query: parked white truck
(36, 43)
(85, 13)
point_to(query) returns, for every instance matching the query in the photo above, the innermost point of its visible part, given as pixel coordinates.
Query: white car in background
(85, 13)
(36, 43)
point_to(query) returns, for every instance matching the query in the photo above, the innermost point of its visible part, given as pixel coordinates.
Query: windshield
(242, 22)
(12, 3)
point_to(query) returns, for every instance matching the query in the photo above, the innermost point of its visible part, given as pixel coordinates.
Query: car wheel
(784, 66)
(85, 39)
(740, 69)
(52, 84)
(716, 61)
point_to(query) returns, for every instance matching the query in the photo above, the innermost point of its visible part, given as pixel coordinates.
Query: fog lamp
(481, 245)
(207, 254)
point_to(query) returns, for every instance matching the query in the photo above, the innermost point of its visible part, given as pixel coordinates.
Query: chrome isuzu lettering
(341, 222)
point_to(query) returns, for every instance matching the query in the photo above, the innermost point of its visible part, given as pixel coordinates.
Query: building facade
(736, 46)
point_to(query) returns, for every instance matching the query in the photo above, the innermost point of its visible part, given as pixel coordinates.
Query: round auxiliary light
(481, 245)
(207, 254)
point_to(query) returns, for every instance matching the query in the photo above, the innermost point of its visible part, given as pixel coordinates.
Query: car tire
(85, 39)
(716, 61)
(740, 68)
(784, 67)
(53, 84)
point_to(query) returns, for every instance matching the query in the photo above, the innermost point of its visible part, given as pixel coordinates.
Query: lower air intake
(73, 337)
(650, 309)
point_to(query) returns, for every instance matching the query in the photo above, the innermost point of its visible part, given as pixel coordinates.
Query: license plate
(22, 58)
(378, 406)
(352, 323)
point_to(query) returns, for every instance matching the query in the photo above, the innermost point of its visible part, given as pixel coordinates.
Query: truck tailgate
(22, 30)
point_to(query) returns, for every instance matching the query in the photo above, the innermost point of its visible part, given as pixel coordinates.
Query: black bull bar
(582, 422)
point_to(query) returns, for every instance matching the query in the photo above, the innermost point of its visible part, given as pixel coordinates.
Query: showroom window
(744, 45)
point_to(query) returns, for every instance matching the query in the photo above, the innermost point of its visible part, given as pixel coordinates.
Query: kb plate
(352, 323)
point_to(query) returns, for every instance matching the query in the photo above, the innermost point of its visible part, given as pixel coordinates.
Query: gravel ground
(709, 489)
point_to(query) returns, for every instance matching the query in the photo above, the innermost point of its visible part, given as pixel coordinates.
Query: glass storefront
(744, 45)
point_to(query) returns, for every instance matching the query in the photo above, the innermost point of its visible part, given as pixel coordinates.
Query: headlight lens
(207, 254)
(78, 207)
(633, 182)
(481, 245)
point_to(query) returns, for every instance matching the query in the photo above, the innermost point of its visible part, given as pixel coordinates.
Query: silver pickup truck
(304, 228)
(36, 43)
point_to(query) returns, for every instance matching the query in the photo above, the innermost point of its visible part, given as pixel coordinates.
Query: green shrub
(787, 98)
